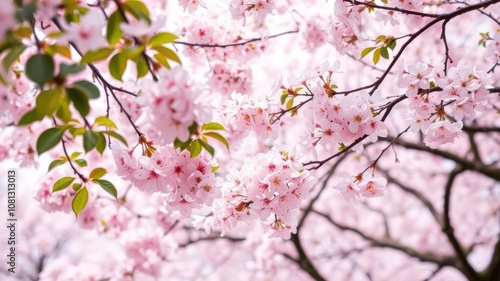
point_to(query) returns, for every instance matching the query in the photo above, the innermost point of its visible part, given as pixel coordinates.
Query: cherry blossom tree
(252, 139)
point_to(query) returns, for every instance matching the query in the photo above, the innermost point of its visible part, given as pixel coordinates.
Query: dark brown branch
(390, 243)
(488, 171)
(394, 9)
(303, 260)
(233, 44)
(329, 174)
(417, 194)
(465, 266)
(445, 17)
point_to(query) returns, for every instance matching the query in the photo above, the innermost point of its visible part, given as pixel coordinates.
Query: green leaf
(62, 183)
(392, 45)
(63, 111)
(137, 9)
(218, 137)
(77, 186)
(384, 53)
(97, 173)
(162, 38)
(215, 168)
(380, 38)
(12, 56)
(142, 67)
(26, 12)
(74, 155)
(65, 69)
(101, 144)
(376, 56)
(168, 53)
(116, 136)
(30, 117)
(214, 126)
(283, 98)
(47, 102)
(133, 53)
(366, 51)
(113, 30)
(180, 144)
(193, 127)
(40, 69)
(80, 201)
(97, 55)
(49, 138)
(81, 162)
(107, 186)
(195, 148)
(76, 131)
(207, 147)
(289, 104)
(105, 121)
(117, 66)
(79, 99)
(88, 88)
(55, 163)
(90, 139)
(161, 59)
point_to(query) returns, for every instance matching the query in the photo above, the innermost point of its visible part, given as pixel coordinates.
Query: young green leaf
(49, 138)
(392, 44)
(30, 117)
(105, 121)
(107, 186)
(162, 38)
(137, 9)
(366, 51)
(97, 173)
(55, 163)
(116, 136)
(47, 102)
(117, 65)
(212, 126)
(283, 98)
(62, 183)
(96, 55)
(289, 104)
(217, 137)
(40, 68)
(207, 147)
(80, 201)
(81, 162)
(65, 69)
(376, 56)
(79, 99)
(101, 143)
(195, 148)
(90, 139)
(88, 88)
(113, 31)
(384, 53)
(168, 53)
(142, 67)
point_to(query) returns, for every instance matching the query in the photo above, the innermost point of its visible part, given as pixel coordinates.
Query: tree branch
(465, 266)
(390, 243)
(488, 171)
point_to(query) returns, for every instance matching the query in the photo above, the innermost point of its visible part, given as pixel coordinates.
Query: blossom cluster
(243, 112)
(439, 101)
(350, 187)
(186, 183)
(172, 105)
(270, 187)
